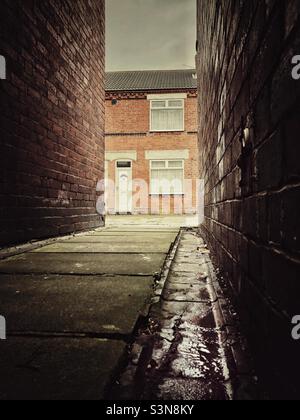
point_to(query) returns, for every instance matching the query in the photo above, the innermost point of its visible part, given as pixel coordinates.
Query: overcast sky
(150, 34)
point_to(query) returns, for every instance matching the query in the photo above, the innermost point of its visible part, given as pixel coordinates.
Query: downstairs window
(167, 177)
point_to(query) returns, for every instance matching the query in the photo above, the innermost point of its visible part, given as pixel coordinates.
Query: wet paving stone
(178, 389)
(190, 355)
(186, 292)
(189, 313)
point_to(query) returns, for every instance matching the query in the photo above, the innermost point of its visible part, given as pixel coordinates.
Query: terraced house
(151, 142)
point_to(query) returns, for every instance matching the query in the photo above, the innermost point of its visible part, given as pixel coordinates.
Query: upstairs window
(167, 115)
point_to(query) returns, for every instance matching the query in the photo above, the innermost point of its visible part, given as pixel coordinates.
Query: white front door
(124, 187)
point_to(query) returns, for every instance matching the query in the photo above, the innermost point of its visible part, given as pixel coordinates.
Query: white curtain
(167, 181)
(167, 119)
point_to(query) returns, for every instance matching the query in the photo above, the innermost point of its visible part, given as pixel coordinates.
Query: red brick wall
(132, 116)
(117, 118)
(244, 70)
(51, 117)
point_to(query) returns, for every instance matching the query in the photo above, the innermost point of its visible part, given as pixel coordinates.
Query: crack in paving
(49, 273)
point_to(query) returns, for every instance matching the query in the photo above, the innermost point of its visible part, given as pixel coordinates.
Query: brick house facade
(151, 142)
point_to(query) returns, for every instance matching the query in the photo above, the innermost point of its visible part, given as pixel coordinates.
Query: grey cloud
(150, 34)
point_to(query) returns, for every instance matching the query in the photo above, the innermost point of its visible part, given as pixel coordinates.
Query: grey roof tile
(150, 80)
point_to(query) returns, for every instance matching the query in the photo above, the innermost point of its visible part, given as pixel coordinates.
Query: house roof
(150, 80)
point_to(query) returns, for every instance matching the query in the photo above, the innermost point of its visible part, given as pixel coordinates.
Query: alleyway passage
(71, 307)
(133, 310)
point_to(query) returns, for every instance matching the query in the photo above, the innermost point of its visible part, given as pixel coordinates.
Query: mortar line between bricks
(283, 315)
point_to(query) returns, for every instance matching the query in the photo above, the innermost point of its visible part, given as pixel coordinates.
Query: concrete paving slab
(186, 292)
(187, 278)
(193, 314)
(154, 220)
(107, 248)
(190, 259)
(57, 368)
(135, 230)
(84, 264)
(137, 238)
(206, 348)
(59, 302)
(174, 389)
(104, 305)
(189, 352)
(189, 248)
(190, 268)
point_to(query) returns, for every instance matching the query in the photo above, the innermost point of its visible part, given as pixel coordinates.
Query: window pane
(158, 164)
(124, 164)
(164, 120)
(159, 119)
(175, 181)
(175, 104)
(175, 164)
(175, 119)
(158, 104)
(155, 177)
(167, 181)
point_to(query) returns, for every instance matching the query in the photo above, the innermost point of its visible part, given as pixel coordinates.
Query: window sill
(166, 131)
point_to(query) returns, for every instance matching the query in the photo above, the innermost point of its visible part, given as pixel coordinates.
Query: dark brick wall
(252, 202)
(51, 117)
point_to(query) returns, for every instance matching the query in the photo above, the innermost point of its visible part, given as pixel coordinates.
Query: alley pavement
(72, 306)
(130, 311)
(192, 347)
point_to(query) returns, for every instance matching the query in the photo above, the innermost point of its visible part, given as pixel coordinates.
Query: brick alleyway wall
(252, 194)
(51, 117)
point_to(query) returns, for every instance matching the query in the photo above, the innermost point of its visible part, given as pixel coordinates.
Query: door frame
(117, 189)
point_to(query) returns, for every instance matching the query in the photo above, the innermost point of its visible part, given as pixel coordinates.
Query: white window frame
(167, 168)
(167, 100)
